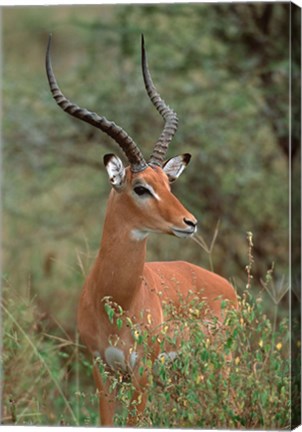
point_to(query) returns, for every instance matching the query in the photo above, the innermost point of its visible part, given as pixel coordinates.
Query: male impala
(140, 203)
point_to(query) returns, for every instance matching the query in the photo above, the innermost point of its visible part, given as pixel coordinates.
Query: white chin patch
(138, 235)
(182, 234)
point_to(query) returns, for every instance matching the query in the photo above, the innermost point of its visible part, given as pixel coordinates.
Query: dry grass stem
(41, 359)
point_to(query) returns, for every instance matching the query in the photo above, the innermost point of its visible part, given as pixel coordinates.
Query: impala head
(145, 199)
(142, 188)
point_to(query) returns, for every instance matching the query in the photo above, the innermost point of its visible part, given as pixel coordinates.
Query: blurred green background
(224, 68)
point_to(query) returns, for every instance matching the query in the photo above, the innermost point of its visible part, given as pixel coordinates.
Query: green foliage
(235, 375)
(207, 71)
(41, 367)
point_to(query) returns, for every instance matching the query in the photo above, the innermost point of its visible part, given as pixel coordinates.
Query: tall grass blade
(43, 362)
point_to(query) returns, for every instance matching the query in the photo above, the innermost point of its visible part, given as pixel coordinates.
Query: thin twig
(215, 236)
(77, 373)
(201, 243)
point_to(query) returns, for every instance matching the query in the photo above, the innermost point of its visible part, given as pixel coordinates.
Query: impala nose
(191, 223)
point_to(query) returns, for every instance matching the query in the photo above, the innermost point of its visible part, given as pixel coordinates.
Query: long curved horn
(170, 117)
(133, 153)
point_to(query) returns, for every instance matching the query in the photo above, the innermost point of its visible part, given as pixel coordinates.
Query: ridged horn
(170, 117)
(131, 150)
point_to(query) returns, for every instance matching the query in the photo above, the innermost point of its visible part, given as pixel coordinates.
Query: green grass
(41, 365)
(236, 377)
(48, 380)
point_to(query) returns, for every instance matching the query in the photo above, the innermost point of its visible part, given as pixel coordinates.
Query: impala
(140, 203)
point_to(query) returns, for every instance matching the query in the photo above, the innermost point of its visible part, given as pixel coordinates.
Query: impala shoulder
(213, 283)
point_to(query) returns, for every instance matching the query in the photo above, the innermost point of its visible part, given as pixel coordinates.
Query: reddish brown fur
(120, 271)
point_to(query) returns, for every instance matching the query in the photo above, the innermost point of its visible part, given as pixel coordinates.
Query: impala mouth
(183, 233)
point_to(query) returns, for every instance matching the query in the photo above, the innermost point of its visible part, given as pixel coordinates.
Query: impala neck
(120, 262)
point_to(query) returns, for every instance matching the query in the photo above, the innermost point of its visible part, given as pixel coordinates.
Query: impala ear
(174, 167)
(115, 170)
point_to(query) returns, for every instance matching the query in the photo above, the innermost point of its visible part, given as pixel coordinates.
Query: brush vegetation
(234, 376)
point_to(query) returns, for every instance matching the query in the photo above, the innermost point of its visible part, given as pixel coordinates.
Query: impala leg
(107, 399)
(139, 399)
(137, 407)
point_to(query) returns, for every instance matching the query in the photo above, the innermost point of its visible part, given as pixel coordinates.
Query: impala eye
(141, 190)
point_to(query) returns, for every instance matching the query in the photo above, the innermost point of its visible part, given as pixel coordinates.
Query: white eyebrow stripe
(151, 190)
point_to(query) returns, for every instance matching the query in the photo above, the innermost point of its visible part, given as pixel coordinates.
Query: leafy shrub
(230, 375)
(41, 368)
(234, 376)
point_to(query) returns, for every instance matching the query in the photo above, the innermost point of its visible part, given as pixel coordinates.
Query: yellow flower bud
(199, 378)
(165, 329)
